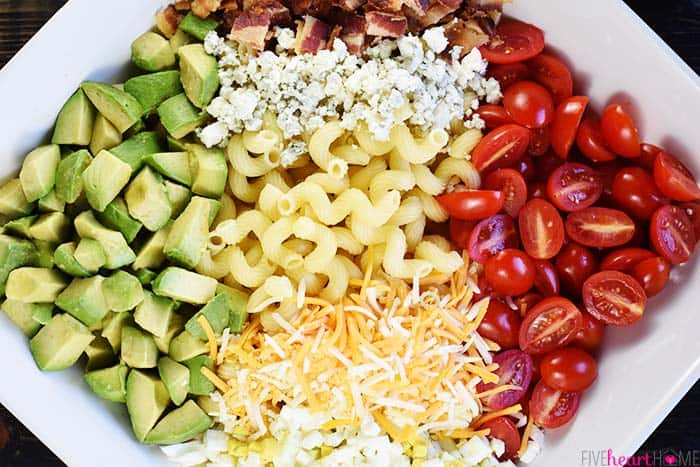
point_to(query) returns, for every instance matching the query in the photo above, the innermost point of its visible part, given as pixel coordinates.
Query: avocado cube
(84, 300)
(184, 347)
(119, 107)
(116, 216)
(175, 326)
(153, 314)
(180, 425)
(14, 253)
(146, 400)
(146, 276)
(179, 197)
(44, 254)
(69, 175)
(59, 344)
(51, 203)
(174, 165)
(122, 291)
(175, 145)
(133, 150)
(13, 202)
(64, 257)
(38, 174)
(176, 378)
(99, 354)
(199, 74)
(237, 302)
(41, 312)
(153, 89)
(196, 26)
(104, 178)
(151, 253)
(112, 328)
(179, 39)
(109, 383)
(22, 315)
(20, 227)
(75, 121)
(35, 285)
(216, 312)
(117, 252)
(209, 170)
(90, 255)
(200, 384)
(152, 52)
(180, 117)
(147, 200)
(138, 348)
(54, 227)
(104, 135)
(189, 234)
(185, 286)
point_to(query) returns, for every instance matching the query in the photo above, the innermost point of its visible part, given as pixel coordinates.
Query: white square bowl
(644, 370)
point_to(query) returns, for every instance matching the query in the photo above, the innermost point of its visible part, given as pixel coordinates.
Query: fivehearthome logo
(663, 458)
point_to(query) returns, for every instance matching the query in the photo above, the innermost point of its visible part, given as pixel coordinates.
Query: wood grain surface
(676, 21)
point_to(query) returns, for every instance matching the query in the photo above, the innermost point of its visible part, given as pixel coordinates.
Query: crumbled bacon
(334, 34)
(183, 5)
(487, 4)
(437, 10)
(168, 20)
(204, 8)
(279, 14)
(311, 36)
(354, 32)
(385, 6)
(466, 34)
(417, 7)
(348, 5)
(385, 24)
(251, 29)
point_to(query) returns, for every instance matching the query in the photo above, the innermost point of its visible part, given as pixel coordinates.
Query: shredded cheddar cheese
(211, 337)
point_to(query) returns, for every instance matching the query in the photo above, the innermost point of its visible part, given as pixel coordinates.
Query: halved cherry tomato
(500, 324)
(614, 298)
(674, 179)
(526, 168)
(590, 142)
(672, 234)
(693, 212)
(619, 131)
(510, 272)
(514, 367)
(539, 141)
(565, 124)
(529, 104)
(541, 229)
(460, 231)
(512, 185)
(607, 172)
(472, 205)
(600, 227)
(491, 236)
(493, 115)
(553, 74)
(591, 334)
(551, 408)
(572, 186)
(569, 369)
(547, 164)
(649, 153)
(652, 274)
(527, 302)
(551, 324)
(546, 278)
(625, 259)
(635, 191)
(504, 429)
(500, 148)
(508, 74)
(514, 42)
(575, 263)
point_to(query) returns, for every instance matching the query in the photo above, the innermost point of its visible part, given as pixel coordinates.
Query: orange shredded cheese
(458, 434)
(526, 436)
(215, 380)
(498, 413)
(211, 337)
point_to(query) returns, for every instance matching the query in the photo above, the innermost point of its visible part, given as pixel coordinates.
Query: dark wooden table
(676, 21)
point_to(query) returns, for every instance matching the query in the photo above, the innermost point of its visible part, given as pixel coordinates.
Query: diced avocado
(122, 291)
(179, 39)
(119, 107)
(175, 145)
(179, 197)
(99, 354)
(116, 216)
(146, 276)
(197, 26)
(138, 348)
(151, 52)
(64, 257)
(44, 254)
(176, 325)
(104, 135)
(14, 253)
(13, 202)
(216, 312)
(20, 227)
(179, 116)
(54, 227)
(146, 400)
(41, 312)
(69, 179)
(35, 285)
(153, 89)
(116, 250)
(199, 384)
(84, 300)
(60, 343)
(185, 347)
(209, 170)
(185, 286)
(174, 165)
(153, 314)
(207, 404)
(104, 178)
(109, 383)
(188, 236)
(138, 128)
(147, 200)
(51, 203)
(199, 74)
(38, 174)
(151, 253)
(180, 425)
(20, 314)
(75, 120)
(90, 255)
(133, 150)
(176, 377)
(237, 303)
(112, 329)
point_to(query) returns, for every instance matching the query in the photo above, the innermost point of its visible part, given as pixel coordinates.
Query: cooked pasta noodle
(323, 237)
(409, 211)
(460, 168)
(338, 280)
(267, 201)
(273, 244)
(352, 154)
(319, 149)
(394, 262)
(432, 209)
(261, 142)
(442, 261)
(249, 166)
(427, 180)
(421, 150)
(414, 232)
(346, 240)
(247, 272)
(463, 145)
(390, 180)
(362, 178)
(227, 211)
(369, 144)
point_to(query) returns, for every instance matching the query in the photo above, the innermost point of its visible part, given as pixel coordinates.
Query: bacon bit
(168, 20)
(230, 5)
(417, 7)
(312, 36)
(204, 8)
(385, 6)
(488, 4)
(279, 14)
(348, 5)
(354, 32)
(183, 5)
(251, 29)
(334, 34)
(385, 24)
(466, 34)
(437, 10)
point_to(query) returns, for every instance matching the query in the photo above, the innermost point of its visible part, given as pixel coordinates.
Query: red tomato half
(508, 74)
(674, 179)
(625, 259)
(551, 408)
(510, 272)
(575, 263)
(614, 298)
(546, 278)
(500, 324)
(635, 191)
(600, 227)
(493, 115)
(460, 231)
(514, 42)
(619, 131)
(649, 153)
(565, 124)
(527, 302)
(569, 369)
(590, 142)
(472, 205)
(512, 185)
(672, 234)
(652, 274)
(541, 229)
(591, 334)
(504, 429)
(693, 212)
(491, 236)
(514, 367)
(529, 104)
(551, 324)
(539, 141)
(553, 74)
(500, 148)
(572, 186)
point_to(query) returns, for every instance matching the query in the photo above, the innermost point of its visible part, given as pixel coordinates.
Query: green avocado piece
(60, 343)
(147, 200)
(22, 315)
(179, 197)
(99, 354)
(151, 52)
(237, 304)
(146, 276)
(180, 117)
(174, 165)
(119, 107)
(109, 383)
(122, 291)
(138, 348)
(75, 121)
(199, 384)
(64, 258)
(175, 145)
(116, 250)
(51, 203)
(184, 347)
(90, 255)
(20, 227)
(188, 236)
(151, 253)
(112, 328)
(35, 285)
(179, 39)
(41, 312)
(116, 216)
(84, 300)
(146, 400)
(133, 150)
(104, 178)
(54, 227)
(199, 73)
(209, 170)
(185, 286)
(153, 89)
(175, 326)
(196, 26)
(216, 312)
(38, 174)
(44, 254)
(153, 314)
(69, 180)
(104, 135)
(176, 377)
(180, 425)
(13, 202)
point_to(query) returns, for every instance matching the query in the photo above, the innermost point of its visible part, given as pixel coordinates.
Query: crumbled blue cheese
(292, 152)
(435, 39)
